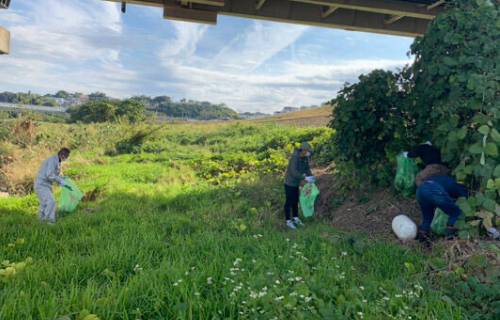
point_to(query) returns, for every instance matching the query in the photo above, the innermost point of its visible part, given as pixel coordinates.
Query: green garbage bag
(439, 222)
(308, 194)
(69, 199)
(406, 173)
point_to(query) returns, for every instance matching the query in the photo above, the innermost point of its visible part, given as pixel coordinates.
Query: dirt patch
(369, 212)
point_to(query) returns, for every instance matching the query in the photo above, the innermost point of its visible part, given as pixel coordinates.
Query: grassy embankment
(185, 223)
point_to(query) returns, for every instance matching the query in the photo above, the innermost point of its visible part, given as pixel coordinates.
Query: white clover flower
(277, 282)
(137, 268)
(362, 288)
(209, 280)
(279, 298)
(344, 253)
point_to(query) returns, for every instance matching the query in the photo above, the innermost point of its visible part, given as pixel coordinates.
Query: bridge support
(4, 41)
(395, 17)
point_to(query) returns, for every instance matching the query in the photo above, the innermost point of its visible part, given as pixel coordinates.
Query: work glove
(310, 179)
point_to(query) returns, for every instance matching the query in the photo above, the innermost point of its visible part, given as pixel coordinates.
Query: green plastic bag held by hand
(405, 175)
(308, 194)
(438, 225)
(69, 197)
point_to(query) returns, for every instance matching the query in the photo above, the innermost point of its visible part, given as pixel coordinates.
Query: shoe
(290, 225)
(297, 222)
(424, 237)
(451, 232)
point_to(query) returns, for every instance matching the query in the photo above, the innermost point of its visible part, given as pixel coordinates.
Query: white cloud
(67, 44)
(236, 74)
(84, 46)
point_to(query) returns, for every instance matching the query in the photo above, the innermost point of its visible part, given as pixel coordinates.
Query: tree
(62, 94)
(131, 109)
(98, 96)
(93, 111)
(370, 122)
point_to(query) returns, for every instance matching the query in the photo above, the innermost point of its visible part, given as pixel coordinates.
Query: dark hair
(64, 152)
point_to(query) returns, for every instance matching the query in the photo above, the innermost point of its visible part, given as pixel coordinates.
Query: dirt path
(366, 211)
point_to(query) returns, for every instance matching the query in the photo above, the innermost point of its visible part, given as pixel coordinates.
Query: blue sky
(88, 45)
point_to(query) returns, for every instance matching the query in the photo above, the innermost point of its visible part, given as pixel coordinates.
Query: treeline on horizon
(98, 107)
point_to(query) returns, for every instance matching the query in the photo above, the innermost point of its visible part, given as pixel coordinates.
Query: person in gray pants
(48, 174)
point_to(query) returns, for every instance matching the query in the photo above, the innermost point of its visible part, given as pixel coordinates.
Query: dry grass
(318, 117)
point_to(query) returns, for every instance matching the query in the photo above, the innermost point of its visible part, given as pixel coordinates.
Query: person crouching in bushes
(297, 171)
(436, 189)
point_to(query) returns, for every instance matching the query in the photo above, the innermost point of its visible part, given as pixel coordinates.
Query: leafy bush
(457, 90)
(371, 125)
(108, 111)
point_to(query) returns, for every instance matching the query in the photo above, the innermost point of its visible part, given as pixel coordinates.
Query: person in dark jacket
(439, 192)
(297, 171)
(427, 152)
(436, 189)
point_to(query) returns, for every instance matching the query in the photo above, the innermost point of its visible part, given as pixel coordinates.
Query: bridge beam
(386, 17)
(4, 41)
(390, 7)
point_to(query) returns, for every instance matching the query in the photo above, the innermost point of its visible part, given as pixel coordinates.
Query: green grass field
(187, 224)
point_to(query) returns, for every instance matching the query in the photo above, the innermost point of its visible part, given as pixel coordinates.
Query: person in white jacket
(48, 174)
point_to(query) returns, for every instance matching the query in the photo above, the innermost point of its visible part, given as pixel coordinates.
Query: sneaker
(297, 222)
(290, 225)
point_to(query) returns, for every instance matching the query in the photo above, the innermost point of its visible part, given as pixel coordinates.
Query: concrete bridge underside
(395, 17)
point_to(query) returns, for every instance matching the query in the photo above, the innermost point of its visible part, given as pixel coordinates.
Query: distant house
(289, 109)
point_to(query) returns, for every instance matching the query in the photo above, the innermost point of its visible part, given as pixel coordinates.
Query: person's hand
(310, 179)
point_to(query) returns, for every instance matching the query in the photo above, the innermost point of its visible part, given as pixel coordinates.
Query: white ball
(404, 228)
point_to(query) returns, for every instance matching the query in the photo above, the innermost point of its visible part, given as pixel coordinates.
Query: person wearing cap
(48, 174)
(436, 189)
(297, 171)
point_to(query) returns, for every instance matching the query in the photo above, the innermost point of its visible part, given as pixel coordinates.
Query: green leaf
(489, 204)
(465, 206)
(495, 135)
(461, 133)
(490, 185)
(484, 129)
(475, 148)
(491, 149)
(449, 61)
(496, 173)
(482, 161)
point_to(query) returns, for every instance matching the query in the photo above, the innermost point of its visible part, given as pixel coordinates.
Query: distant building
(251, 115)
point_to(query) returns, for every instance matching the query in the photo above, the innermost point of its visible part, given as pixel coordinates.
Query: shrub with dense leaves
(108, 111)
(371, 125)
(457, 94)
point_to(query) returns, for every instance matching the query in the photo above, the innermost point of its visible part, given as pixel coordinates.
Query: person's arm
(308, 168)
(53, 172)
(459, 191)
